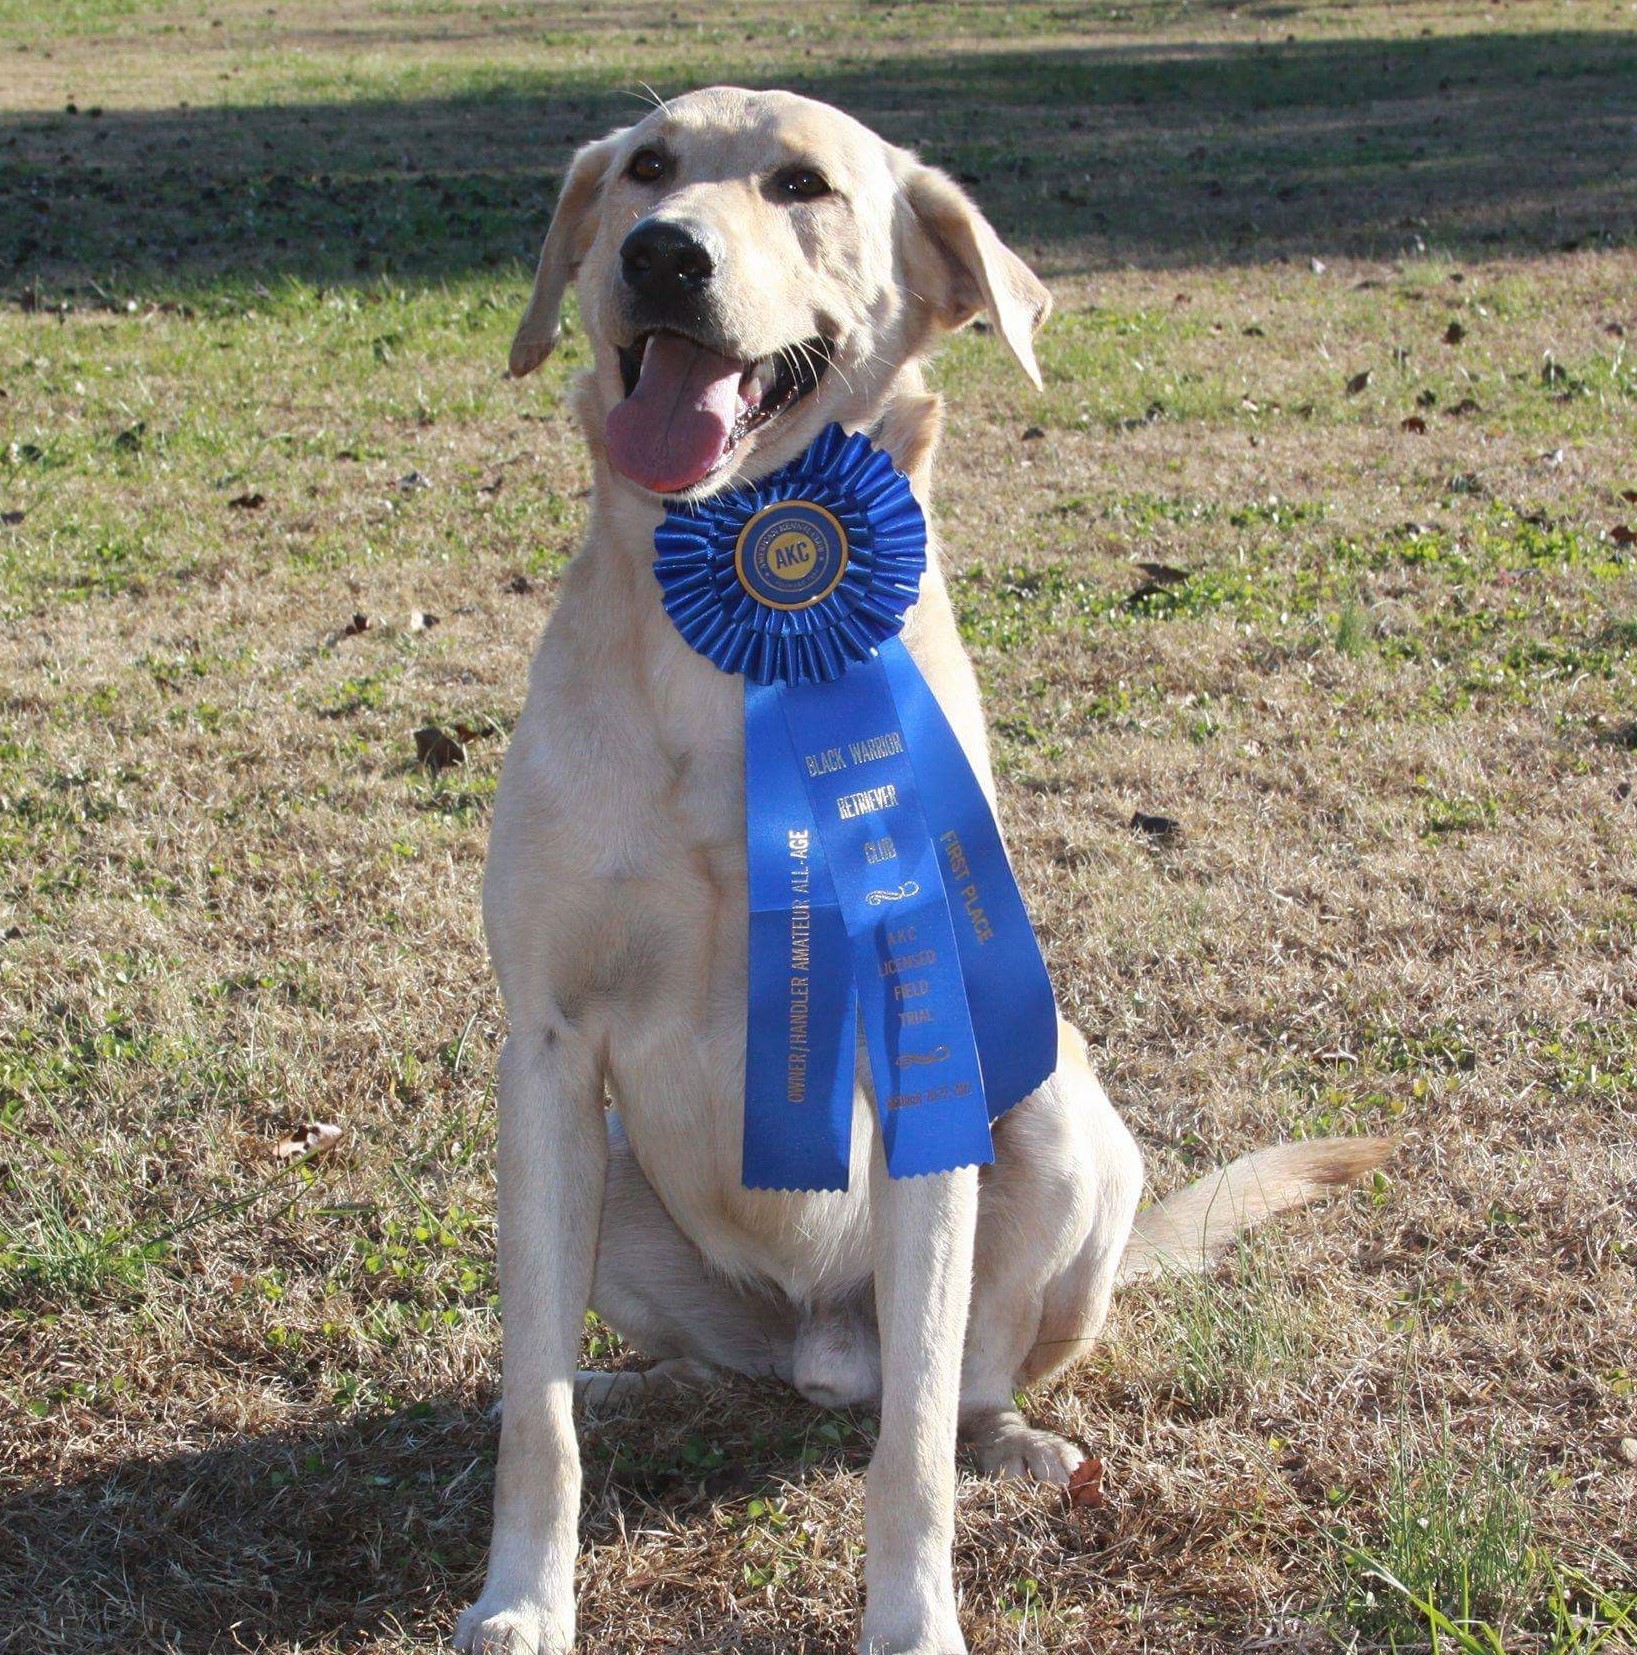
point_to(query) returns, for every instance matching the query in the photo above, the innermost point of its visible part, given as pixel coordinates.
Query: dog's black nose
(665, 261)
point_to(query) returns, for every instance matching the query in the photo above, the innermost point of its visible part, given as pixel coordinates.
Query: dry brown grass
(245, 1408)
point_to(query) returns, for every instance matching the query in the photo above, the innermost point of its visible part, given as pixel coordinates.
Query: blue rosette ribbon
(880, 893)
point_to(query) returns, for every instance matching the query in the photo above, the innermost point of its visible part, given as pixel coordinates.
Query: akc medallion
(791, 555)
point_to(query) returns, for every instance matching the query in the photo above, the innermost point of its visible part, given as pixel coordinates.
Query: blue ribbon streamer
(1014, 1013)
(880, 893)
(801, 1031)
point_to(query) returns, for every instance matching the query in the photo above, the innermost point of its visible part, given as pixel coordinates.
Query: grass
(255, 317)
(1231, 1330)
(1456, 1535)
(1455, 1560)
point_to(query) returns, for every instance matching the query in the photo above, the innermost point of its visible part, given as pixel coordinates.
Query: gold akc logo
(791, 555)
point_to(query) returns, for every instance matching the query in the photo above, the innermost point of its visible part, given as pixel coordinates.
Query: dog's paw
(488, 1628)
(1004, 1444)
(600, 1393)
(902, 1617)
(936, 1647)
(945, 1641)
(949, 1642)
(923, 1646)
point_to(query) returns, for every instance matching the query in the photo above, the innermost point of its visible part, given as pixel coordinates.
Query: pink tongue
(674, 427)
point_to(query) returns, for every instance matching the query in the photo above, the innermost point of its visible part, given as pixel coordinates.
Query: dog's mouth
(687, 408)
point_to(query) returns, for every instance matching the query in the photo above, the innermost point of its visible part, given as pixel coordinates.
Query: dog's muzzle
(666, 264)
(691, 396)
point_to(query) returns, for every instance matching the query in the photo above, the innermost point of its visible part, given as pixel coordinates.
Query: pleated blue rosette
(880, 893)
(722, 618)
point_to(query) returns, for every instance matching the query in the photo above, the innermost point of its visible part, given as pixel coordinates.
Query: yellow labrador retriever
(752, 266)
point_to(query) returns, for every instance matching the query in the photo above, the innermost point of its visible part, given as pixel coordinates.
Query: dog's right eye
(647, 166)
(804, 184)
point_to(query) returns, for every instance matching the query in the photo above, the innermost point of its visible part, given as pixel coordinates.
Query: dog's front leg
(552, 1158)
(923, 1231)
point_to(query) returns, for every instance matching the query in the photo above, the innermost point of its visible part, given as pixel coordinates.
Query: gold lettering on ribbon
(912, 1060)
(801, 944)
(964, 886)
(933, 1094)
(908, 889)
(863, 803)
(876, 747)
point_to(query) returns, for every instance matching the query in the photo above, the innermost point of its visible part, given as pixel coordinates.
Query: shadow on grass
(1476, 145)
(352, 1532)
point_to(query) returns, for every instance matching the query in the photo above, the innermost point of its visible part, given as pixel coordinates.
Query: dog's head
(751, 266)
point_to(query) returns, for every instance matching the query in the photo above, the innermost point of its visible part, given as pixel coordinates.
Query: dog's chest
(619, 833)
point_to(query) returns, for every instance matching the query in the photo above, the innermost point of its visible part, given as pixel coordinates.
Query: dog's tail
(1188, 1231)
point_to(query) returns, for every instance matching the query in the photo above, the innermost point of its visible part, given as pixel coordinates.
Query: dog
(752, 266)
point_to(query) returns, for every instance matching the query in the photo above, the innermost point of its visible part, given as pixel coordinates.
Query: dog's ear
(956, 263)
(567, 240)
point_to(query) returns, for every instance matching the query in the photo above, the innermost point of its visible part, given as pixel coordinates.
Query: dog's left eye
(803, 184)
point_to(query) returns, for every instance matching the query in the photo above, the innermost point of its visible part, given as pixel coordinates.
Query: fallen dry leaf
(312, 1139)
(1148, 589)
(1085, 1487)
(1629, 495)
(1358, 382)
(437, 749)
(1156, 827)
